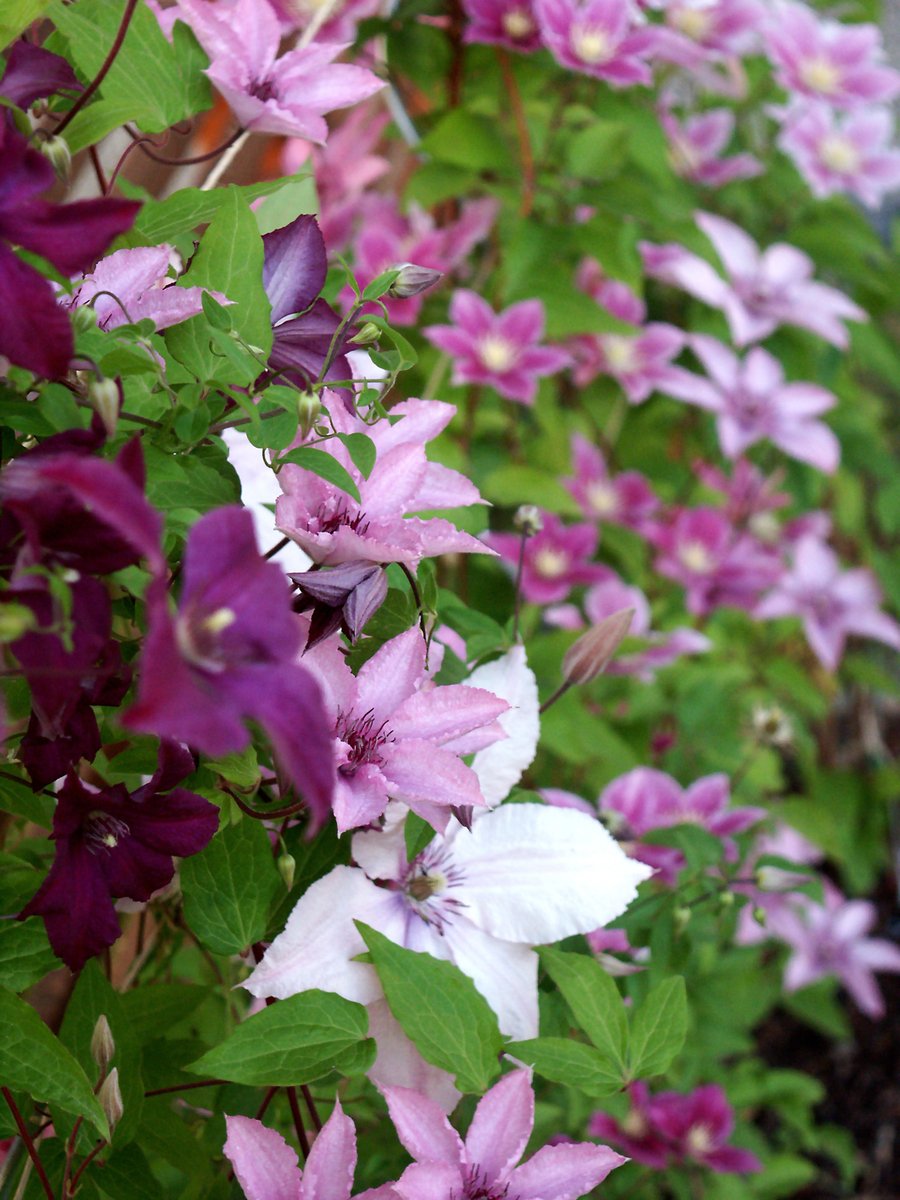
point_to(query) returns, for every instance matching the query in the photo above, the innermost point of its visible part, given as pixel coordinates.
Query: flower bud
(56, 150)
(110, 1098)
(591, 653)
(84, 318)
(366, 335)
(287, 865)
(681, 918)
(528, 519)
(103, 1046)
(15, 620)
(772, 727)
(308, 408)
(103, 396)
(412, 280)
(726, 900)
(759, 916)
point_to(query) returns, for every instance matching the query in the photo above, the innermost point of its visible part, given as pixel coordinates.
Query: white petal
(505, 973)
(399, 1064)
(500, 767)
(535, 874)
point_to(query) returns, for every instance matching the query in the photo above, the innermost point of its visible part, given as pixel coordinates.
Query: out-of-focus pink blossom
(748, 493)
(509, 23)
(695, 34)
(832, 604)
(602, 38)
(696, 148)
(828, 60)
(765, 289)
(556, 559)
(623, 499)
(751, 402)
(850, 153)
(499, 350)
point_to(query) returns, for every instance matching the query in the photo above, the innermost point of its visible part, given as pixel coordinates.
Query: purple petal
(265, 1165)
(35, 332)
(294, 267)
(32, 72)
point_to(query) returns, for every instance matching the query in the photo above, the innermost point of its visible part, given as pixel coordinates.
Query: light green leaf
(571, 1063)
(658, 1029)
(155, 1008)
(25, 954)
(229, 888)
(594, 1000)
(18, 15)
(325, 465)
(161, 220)
(292, 1042)
(440, 1009)
(36, 1062)
(361, 449)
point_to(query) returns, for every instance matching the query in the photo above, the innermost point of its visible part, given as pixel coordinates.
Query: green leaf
(36, 1062)
(512, 484)
(440, 1010)
(294, 1041)
(294, 197)
(229, 888)
(658, 1029)
(279, 413)
(25, 954)
(92, 997)
(361, 449)
(186, 481)
(126, 1175)
(325, 465)
(594, 1000)
(417, 833)
(240, 768)
(700, 848)
(380, 284)
(18, 15)
(216, 313)
(161, 220)
(155, 1008)
(569, 1062)
(467, 139)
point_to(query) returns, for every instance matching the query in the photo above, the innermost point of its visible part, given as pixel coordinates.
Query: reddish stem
(28, 1143)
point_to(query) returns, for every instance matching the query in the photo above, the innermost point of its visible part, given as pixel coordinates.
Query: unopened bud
(528, 519)
(726, 900)
(56, 150)
(84, 318)
(759, 916)
(15, 620)
(104, 399)
(366, 335)
(103, 1046)
(110, 1098)
(287, 865)
(308, 408)
(590, 655)
(412, 280)
(681, 918)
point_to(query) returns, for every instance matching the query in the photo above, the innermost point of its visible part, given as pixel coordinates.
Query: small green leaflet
(325, 465)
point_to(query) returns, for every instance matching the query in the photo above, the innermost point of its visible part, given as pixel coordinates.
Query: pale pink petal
(399, 1064)
(564, 1172)
(332, 1160)
(737, 250)
(429, 1181)
(501, 1126)
(265, 1165)
(417, 770)
(505, 973)
(445, 713)
(391, 675)
(422, 1127)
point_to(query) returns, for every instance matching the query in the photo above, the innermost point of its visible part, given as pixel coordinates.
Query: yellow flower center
(838, 152)
(634, 1123)
(602, 499)
(699, 1140)
(621, 353)
(496, 352)
(551, 563)
(517, 23)
(591, 45)
(696, 557)
(694, 23)
(820, 75)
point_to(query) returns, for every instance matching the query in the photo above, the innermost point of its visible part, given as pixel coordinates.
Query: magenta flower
(716, 563)
(266, 1166)
(509, 23)
(134, 285)
(230, 653)
(624, 499)
(831, 603)
(35, 332)
(266, 93)
(499, 350)
(850, 154)
(110, 844)
(645, 799)
(829, 939)
(749, 495)
(828, 60)
(699, 33)
(765, 290)
(751, 402)
(333, 528)
(696, 147)
(484, 1166)
(395, 738)
(678, 1127)
(597, 37)
(31, 72)
(556, 559)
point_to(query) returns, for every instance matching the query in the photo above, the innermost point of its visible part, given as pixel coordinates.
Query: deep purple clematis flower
(110, 843)
(229, 653)
(35, 332)
(32, 73)
(678, 1127)
(344, 597)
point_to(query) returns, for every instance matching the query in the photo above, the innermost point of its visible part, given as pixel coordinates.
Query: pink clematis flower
(484, 1166)
(751, 401)
(134, 285)
(660, 649)
(831, 603)
(509, 23)
(716, 563)
(695, 34)
(829, 939)
(828, 60)
(765, 290)
(334, 528)
(645, 799)
(395, 738)
(696, 146)
(678, 1127)
(556, 559)
(602, 38)
(624, 499)
(266, 1166)
(852, 154)
(266, 93)
(499, 350)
